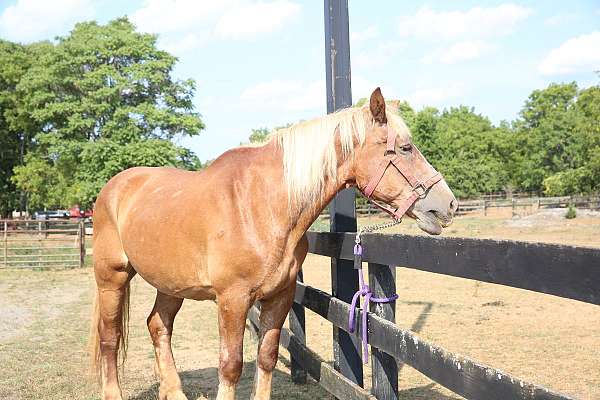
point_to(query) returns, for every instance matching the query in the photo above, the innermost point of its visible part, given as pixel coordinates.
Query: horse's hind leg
(109, 330)
(160, 325)
(113, 302)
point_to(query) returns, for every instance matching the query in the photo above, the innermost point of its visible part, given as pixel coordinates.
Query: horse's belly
(176, 276)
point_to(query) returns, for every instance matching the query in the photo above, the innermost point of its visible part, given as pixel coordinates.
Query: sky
(262, 63)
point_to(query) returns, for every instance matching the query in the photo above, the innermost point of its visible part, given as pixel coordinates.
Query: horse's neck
(268, 162)
(308, 214)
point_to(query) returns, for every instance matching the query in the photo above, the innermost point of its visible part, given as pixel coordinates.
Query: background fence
(34, 243)
(518, 205)
(565, 271)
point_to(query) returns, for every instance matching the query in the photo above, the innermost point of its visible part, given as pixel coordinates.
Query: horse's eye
(406, 148)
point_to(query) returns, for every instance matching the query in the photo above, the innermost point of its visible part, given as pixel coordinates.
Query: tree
(16, 125)
(583, 175)
(424, 132)
(470, 155)
(104, 100)
(259, 135)
(546, 143)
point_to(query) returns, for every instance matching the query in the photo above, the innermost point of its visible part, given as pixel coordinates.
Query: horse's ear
(377, 106)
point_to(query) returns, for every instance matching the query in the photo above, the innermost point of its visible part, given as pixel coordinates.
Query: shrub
(571, 212)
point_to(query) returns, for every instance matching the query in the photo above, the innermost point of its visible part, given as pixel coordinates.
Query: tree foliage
(100, 100)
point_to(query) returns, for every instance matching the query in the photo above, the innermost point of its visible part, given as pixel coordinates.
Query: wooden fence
(518, 205)
(532, 204)
(45, 243)
(565, 271)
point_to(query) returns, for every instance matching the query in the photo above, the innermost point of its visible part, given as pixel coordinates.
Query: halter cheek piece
(419, 186)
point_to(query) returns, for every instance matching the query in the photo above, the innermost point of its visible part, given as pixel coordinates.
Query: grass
(539, 338)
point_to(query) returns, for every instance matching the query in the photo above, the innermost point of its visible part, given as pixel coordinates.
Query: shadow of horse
(200, 384)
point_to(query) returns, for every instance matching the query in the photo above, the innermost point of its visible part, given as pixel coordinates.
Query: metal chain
(375, 227)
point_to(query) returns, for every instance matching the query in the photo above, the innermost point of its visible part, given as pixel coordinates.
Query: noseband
(419, 185)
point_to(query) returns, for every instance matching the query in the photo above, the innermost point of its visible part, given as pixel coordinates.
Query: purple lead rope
(364, 290)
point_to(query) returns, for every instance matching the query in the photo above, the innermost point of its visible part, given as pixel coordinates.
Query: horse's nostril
(454, 205)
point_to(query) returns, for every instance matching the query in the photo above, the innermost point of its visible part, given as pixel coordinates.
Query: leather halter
(419, 186)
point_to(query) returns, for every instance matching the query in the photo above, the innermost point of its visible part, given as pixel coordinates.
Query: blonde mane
(309, 155)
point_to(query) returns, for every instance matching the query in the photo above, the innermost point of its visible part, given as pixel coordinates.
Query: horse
(234, 233)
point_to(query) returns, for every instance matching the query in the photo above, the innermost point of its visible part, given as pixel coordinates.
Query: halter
(419, 187)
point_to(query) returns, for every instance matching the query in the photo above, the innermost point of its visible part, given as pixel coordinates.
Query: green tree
(407, 113)
(424, 132)
(16, 124)
(259, 135)
(104, 100)
(470, 156)
(546, 142)
(583, 173)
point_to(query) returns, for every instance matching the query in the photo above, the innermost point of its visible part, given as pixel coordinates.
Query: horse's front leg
(233, 307)
(272, 315)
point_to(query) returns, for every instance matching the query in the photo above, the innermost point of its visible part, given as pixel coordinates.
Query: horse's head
(389, 169)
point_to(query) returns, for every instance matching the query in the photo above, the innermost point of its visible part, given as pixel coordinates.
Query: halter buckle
(420, 189)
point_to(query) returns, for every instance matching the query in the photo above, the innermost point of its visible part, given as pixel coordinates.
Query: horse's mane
(309, 156)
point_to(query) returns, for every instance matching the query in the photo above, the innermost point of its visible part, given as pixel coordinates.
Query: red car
(76, 212)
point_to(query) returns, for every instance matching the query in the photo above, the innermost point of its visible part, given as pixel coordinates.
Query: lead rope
(364, 289)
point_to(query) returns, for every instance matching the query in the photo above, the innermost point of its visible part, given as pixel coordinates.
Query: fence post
(513, 207)
(344, 279)
(81, 235)
(5, 244)
(484, 207)
(298, 328)
(384, 378)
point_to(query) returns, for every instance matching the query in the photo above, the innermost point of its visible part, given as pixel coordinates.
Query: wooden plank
(461, 375)
(327, 377)
(42, 248)
(384, 376)
(297, 323)
(565, 271)
(37, 255)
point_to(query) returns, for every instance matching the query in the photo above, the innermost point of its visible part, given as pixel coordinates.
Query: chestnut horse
(235, 233)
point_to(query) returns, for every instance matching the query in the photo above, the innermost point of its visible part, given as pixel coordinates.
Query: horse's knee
(268, 351)
(155, 326)
(230, 366)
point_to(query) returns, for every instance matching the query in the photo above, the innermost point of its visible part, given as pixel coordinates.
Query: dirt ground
(539, 338)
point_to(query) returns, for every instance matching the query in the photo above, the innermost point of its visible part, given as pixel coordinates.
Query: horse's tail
(94, 340)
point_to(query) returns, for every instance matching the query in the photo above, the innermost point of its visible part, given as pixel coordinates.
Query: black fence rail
(565, 271)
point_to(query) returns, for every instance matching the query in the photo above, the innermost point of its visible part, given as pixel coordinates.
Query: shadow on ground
(202, 384)
(426, 392)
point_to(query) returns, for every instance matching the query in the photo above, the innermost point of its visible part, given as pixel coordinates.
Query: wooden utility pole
(344, 278)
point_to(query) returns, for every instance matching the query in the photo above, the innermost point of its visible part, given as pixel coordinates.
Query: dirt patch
(549, 218)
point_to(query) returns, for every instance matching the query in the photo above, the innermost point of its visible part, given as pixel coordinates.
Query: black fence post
(298, 328)
(384, 378)
(344, 279)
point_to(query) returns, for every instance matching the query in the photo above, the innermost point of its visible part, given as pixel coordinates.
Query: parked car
(51, 214)
(76, 212)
